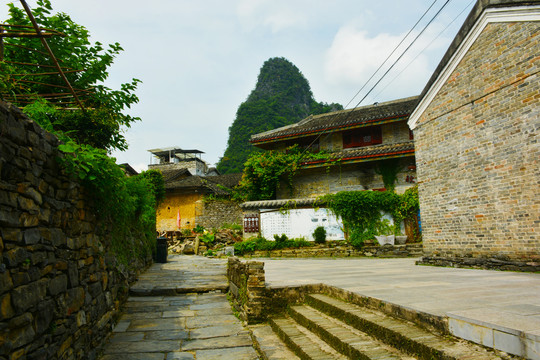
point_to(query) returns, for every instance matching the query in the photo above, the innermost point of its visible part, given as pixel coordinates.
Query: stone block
(20, 321)
(26, 296)
(44, 316)
(58, 285)
(75, 299)
(6, 309)
(15, 256)
(32, 236)
(6, 282)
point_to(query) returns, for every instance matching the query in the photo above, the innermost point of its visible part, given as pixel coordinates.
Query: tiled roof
(174, 174)
(276, 204)
(209, 183)
(341, 119)
(369, 152)
(227, 180)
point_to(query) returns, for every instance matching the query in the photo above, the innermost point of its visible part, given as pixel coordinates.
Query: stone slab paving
(182, 325)
(493, 308)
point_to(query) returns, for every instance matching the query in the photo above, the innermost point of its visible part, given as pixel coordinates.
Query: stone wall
(316, 182)
(478, 153)
(215, 213)
(59, 289)
(322, 251)
(247, 289)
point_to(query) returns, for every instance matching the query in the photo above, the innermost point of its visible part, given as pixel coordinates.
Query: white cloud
(354, 56)
(277, 15)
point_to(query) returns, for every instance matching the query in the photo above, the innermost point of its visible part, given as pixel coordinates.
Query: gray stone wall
(478, 152)
(247, 289)
(215, 213)
(316, 182)
(59, 289)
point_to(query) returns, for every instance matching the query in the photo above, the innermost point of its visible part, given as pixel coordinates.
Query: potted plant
(384, 233)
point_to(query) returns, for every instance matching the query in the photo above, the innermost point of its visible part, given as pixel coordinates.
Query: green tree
(85, 65)
(282, 96)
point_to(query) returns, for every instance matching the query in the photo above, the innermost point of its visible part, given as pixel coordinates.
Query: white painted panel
(297, 223)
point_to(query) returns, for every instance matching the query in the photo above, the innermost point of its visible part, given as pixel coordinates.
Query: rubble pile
(195, 244)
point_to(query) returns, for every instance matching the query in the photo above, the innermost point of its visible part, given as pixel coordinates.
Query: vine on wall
(361, 212)
(264, 172)
(128, 203)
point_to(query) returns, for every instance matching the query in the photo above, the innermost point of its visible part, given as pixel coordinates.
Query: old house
(360, 144)
(477, 142)
(187, 180)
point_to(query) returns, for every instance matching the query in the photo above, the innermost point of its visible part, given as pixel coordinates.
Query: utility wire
(425, 48)
(393, 64)
(392, 53)
(404, 52)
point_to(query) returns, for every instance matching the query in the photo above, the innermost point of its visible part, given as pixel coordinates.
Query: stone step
(405, 336)
(269, 345)
(348, 341)
(305, 344)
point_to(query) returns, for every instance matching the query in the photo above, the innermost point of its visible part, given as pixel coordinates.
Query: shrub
(198, 229)
(260, 243)
(319, 235)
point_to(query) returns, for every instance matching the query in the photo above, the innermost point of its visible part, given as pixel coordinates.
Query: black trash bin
(161, 250)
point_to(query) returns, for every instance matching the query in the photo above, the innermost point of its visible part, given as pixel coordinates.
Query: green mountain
(282, 96)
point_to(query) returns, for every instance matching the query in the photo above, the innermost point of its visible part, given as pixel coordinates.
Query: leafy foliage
(388, 169)
(264, 172)
(260, 243)
(282, 96)
(86, 64)
(127, 202)
(361, 211)
(157, 184)
(319, 235)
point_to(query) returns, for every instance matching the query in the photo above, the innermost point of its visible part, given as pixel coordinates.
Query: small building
(187, 180)
(476, 132)
(174, 158)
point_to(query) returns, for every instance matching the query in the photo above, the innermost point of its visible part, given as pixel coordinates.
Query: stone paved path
(169, 320)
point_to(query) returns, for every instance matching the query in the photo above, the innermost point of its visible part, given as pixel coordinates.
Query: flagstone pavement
(178, 311)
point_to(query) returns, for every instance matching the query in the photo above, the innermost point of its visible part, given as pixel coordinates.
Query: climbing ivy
(265, 172)
(389, 170)
(127, 202)
(361, 211)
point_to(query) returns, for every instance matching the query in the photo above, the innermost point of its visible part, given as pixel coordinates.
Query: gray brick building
(476, 138)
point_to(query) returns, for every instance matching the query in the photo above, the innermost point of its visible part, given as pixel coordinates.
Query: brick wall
(478, 152)
(60, 290)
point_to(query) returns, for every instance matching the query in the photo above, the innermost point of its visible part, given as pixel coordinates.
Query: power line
(404, 52)
(425, 48)
(392, 53)
(393, 64)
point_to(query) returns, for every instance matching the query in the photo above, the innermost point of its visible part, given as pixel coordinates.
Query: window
(362, 137)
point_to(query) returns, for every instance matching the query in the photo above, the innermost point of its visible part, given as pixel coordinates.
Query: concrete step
(402, 335)
(347, 340)
(305, 344)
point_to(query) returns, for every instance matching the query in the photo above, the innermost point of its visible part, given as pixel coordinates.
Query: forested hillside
(282, 96)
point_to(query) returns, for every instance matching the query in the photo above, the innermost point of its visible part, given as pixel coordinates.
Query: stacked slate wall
(478, 155)
(60, 290)
(213, 214)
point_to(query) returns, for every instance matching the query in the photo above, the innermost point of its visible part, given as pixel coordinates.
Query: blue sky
(199, 60)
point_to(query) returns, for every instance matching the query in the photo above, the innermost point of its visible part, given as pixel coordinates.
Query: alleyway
(178, 311)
